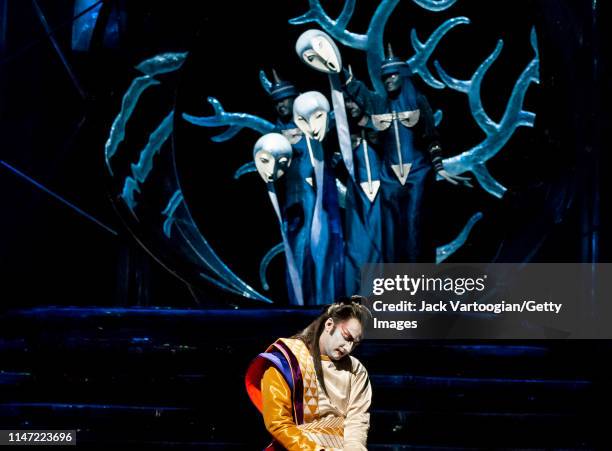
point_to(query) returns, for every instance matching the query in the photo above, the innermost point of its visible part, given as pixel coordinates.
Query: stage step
(217, 423)
(174, 379)
(450, 394)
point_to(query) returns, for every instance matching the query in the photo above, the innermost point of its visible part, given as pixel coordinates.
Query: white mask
(319, 51)
(310, 114)
(272, 156)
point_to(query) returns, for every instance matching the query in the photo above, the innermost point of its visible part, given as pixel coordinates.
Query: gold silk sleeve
(357, 421)
(277, 413)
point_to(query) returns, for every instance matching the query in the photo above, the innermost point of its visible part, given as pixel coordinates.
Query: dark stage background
(56, 109)
(54, 129)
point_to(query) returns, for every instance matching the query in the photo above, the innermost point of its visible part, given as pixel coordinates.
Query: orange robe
(338, 420)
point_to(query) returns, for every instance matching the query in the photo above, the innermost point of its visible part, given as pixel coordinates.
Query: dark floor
(127, 378)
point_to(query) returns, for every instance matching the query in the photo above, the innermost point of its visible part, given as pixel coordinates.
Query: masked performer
(272, 154)
(410, 153)
(298, 188)
(311, 115)
(312, 394)
(363, 233)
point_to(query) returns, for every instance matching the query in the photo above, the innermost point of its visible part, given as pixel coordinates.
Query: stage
(159, 377)
(145, 262)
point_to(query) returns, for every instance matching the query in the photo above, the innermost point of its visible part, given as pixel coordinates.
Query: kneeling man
(312, 393)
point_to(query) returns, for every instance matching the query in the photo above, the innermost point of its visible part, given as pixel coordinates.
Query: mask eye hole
(331, 65)
(310, 55)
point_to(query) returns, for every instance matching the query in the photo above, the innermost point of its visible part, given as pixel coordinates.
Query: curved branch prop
(498, 134)
(265, 262)
(445, 251)
(128, 104)
(141, 170)
(246, 168)
(162, 63)
(176, 212)
(418, 62)
(375, 49)
(213, 269)
(159, 64)
(235, 122)
(218, 273)
(435, 5)
(335, 28)
(169, 211)
(472, 89)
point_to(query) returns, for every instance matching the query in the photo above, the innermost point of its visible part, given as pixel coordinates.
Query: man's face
(338, 340)
(353, 109)
(392, 82)
(284, 108)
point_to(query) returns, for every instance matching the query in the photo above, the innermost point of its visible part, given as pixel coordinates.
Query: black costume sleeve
(428, 134)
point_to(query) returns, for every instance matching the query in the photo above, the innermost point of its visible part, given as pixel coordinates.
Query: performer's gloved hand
(454, 179)
(347, 75)
(436, 158)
